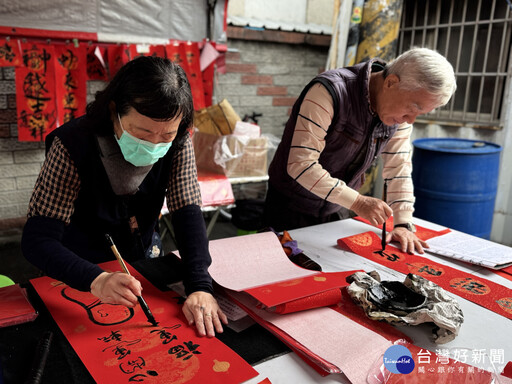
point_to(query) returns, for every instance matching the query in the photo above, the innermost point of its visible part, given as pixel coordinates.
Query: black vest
(98, 210)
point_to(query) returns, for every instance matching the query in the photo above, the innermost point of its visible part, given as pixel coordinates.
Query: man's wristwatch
(409, 226)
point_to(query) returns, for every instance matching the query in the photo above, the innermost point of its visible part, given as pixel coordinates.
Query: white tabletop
(482, 329)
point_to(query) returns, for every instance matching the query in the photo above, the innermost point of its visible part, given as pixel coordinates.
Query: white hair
(423, 68)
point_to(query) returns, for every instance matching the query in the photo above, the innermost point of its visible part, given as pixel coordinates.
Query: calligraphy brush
(141, 300)
(383, 241)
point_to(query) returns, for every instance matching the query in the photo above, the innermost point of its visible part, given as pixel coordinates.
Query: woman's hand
(202, 309)
(116, 288)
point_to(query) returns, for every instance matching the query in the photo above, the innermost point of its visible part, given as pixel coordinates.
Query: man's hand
(202, 309)
(116, 288)
(407, 239)
(374, 210)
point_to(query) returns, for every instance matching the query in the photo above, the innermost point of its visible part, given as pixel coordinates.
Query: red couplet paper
(486, 293)
(348, 308)
(14, 306)
(118, 345)
(176, 53)
(323, 299)
(195, 76)
(421, 232)
(10, 53)
(507, 371)
(71, 82)
(504, 272)
(215, 189)
(35, 92)
(187, 56)
(425, 234)
(429, 366)
(209, 55)
(117, 56)
(157, 50)
(322, 366)
(208, 75)
(286, 291)
(96, 67)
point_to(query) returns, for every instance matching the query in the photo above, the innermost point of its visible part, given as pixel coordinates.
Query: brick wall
(261, 77)
(266, 78)
(20, 162)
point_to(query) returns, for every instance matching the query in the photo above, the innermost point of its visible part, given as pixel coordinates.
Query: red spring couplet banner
(10, 53)
(186, 55)
(35, 92)
(421, 232)
(118, 345)
(425, 234)
(117, 56)
(194, 74)
(486, 293)
(71, 82)
(96, 67)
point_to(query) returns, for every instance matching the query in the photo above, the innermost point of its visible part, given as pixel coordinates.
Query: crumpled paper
(439, 308)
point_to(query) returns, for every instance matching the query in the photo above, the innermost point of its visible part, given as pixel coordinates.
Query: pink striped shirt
(314, 119)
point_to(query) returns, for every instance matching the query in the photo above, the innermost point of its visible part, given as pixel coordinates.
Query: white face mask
(140, 152)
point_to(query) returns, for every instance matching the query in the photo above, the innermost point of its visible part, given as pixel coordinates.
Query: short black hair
(155, 87)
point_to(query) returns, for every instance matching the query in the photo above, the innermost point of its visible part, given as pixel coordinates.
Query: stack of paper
(471, 249)
(14, 306)
(256, 273)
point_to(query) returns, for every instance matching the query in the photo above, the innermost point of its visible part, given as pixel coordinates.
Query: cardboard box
(231, 155)
(217, 119)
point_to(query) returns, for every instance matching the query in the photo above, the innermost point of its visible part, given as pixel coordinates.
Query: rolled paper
(322, 299)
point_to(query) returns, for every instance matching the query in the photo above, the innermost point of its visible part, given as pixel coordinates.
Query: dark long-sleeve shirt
(52, 205)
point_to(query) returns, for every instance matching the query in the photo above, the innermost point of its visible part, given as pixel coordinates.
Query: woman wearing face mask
(108, 172)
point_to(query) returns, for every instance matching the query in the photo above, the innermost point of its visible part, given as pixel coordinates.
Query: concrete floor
(16, 267)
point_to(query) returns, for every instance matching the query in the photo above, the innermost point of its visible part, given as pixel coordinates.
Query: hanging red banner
(208, 75)
(96, 67)
(187, 56)
(131, 51)
(208, 71)
(209, 55)
(157, 50)
(71, 82)
(10, 53)
(486, 293)
(176, 53)
(194, 74)
(118, 345)
(35, 92)
(117, 56)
